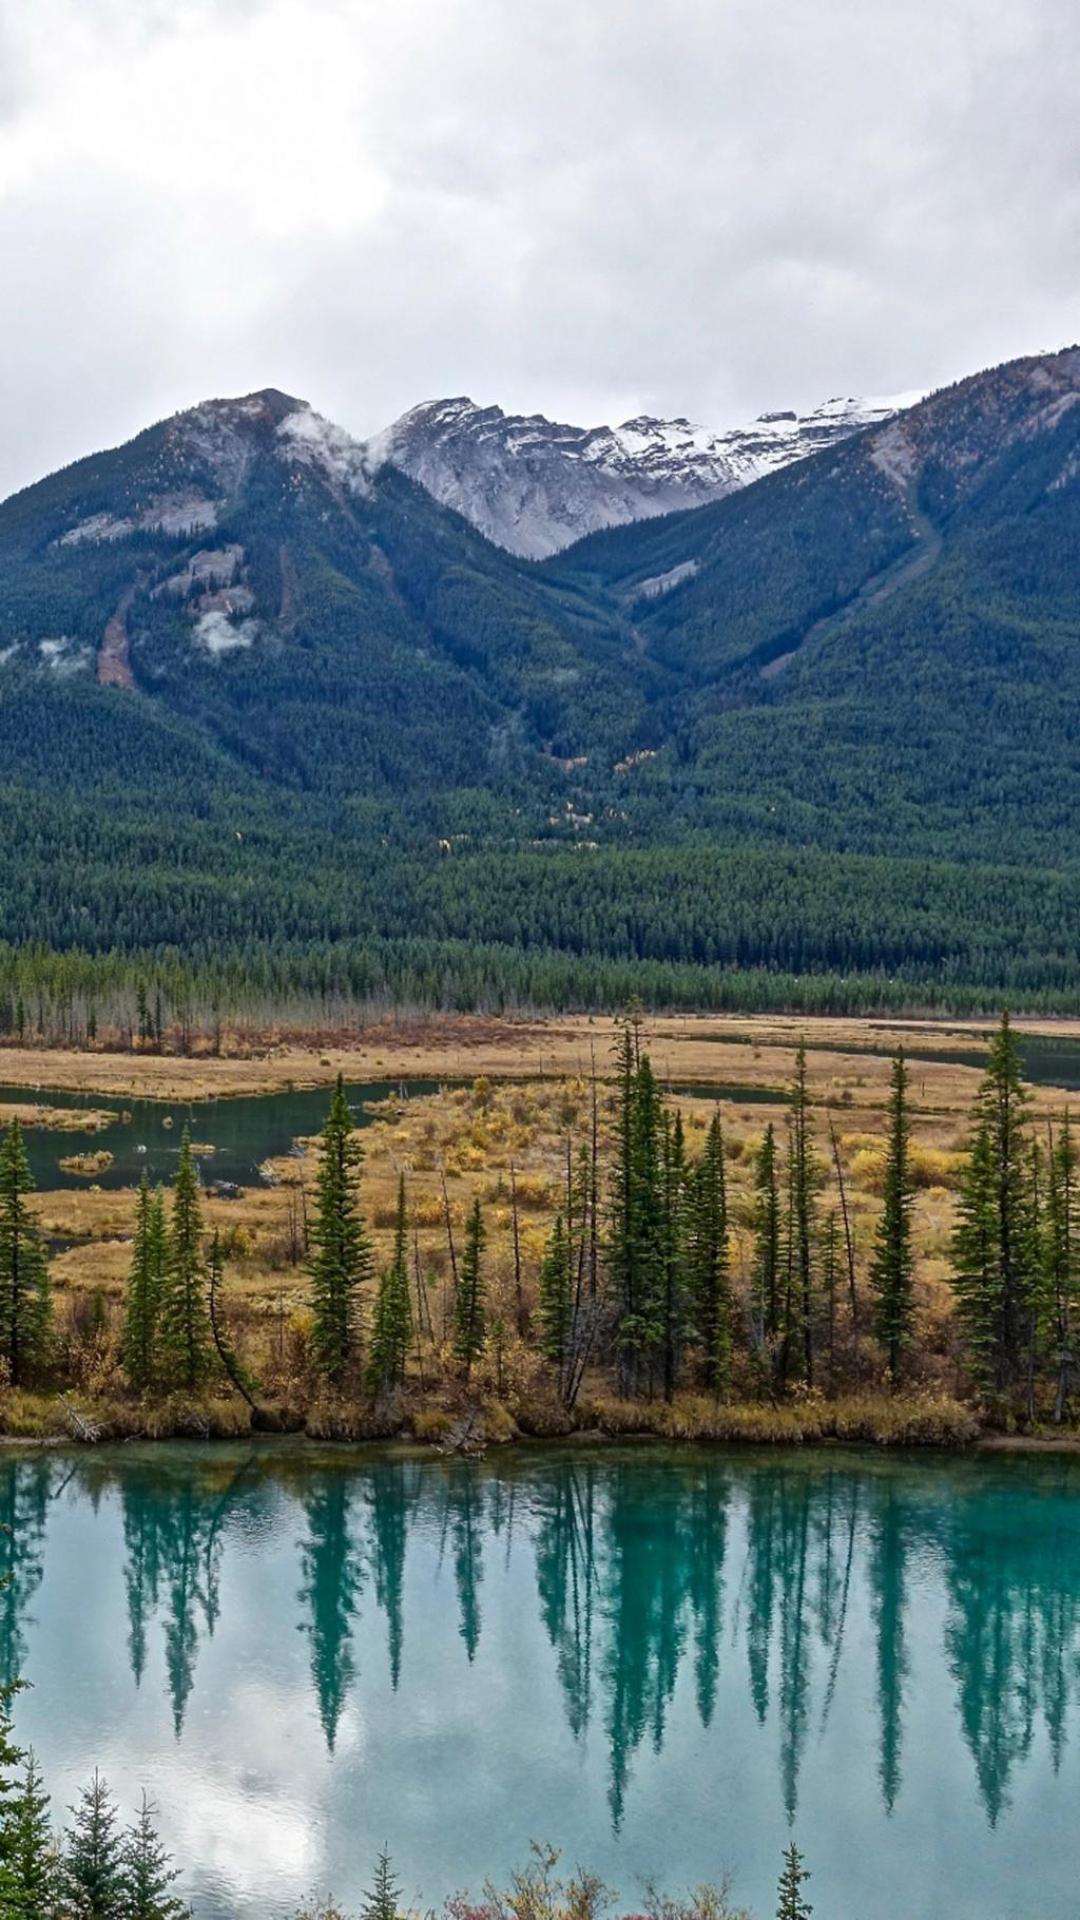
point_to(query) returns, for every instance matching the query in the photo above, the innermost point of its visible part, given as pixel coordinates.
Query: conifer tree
(391, 1329)
(803, 1184)
(710, 1279)
(556, 1300)
(790, 1902)
(29, 1870)
(1061, 1261)
(92, 1869)
(341, 1260)
(25, 1303)
(673, 1247)
(766, 1269)
(148, 1873)
(639, 1230)
(184, 1314)
(381, 1903)
(993, 1276)
(892, 1272)
(144, 1288)
(470, 1297)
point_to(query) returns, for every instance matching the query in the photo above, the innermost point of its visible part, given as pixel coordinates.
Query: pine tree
(25, 1301)
(144, 1289)
(556, 1301)
(469, 1302)
(766, 1267)
(28, 1859)
(93, 1863)
(341, 1260)
(148, 1873)
(391, 1329)
(993, 1276)
(381, 1903)
(892, 1272)
(710, 1279)
(184, 1315)
(790, 1902)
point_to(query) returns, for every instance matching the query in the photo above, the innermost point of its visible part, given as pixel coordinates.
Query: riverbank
(455, 1424)
(453, 1046)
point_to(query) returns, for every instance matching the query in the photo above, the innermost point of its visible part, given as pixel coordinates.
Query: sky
(588, 208)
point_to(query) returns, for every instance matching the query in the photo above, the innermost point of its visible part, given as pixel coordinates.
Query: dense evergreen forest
(272, 735)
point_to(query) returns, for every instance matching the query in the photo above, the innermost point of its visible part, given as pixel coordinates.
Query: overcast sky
(583, 207)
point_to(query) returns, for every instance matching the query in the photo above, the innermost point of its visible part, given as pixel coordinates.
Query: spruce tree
(1061, 1262)
(640, 1220)
(790, 1902)
(766, 1265)
(470, 1297)
(391, 1329)
(148, 1873)
(993, 1277)
(25, 1303)
(803, 1180)
(92, 1869)
(672, 1247)
(710, 1279)
(892, 1272)
(341, 1259)
(144, 1288)
(184, 1313)
(556, 1301)
(29, 1868)
(381, 1903)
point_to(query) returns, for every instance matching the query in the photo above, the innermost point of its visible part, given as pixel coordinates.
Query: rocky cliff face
(534, 485)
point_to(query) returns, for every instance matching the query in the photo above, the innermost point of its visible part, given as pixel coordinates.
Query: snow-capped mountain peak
(534, 485)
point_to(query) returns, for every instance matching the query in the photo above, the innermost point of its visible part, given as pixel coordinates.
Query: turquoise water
(667, 1662)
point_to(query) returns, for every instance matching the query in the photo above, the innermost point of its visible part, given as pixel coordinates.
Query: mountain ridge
(535, 486)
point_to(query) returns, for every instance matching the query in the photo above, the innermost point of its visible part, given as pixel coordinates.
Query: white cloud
(594, 207)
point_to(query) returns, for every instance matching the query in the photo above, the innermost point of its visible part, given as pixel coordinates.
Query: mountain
(267, 708)
(535, 486)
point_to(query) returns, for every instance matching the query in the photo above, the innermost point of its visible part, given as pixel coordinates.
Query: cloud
(593, 207)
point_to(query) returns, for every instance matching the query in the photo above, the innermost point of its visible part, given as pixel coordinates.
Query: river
(667, 1662)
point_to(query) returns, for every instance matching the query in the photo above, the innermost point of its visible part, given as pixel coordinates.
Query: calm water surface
(668, 1663)
(243, 1129)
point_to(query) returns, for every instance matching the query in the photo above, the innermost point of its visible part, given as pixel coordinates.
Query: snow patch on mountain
(216, 634)
(307, 437)
(534, 485)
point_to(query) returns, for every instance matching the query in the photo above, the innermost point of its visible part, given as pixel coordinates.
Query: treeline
(162, 1002)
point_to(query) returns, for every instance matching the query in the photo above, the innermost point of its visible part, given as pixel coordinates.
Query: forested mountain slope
(265, 703)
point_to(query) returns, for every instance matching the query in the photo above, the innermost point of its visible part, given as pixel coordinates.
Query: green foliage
(184, 1314)
(148, 1873)
(995, 1275)
(341, 1259)
(709, 1270)
(470, 1298)
(146, 1279)
(25, 1299)
(381, 1902)
(392, 1326)
(29, 1864)
(556, 1300)
(892, 1271)
(93, 1867)
(790, 1902)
